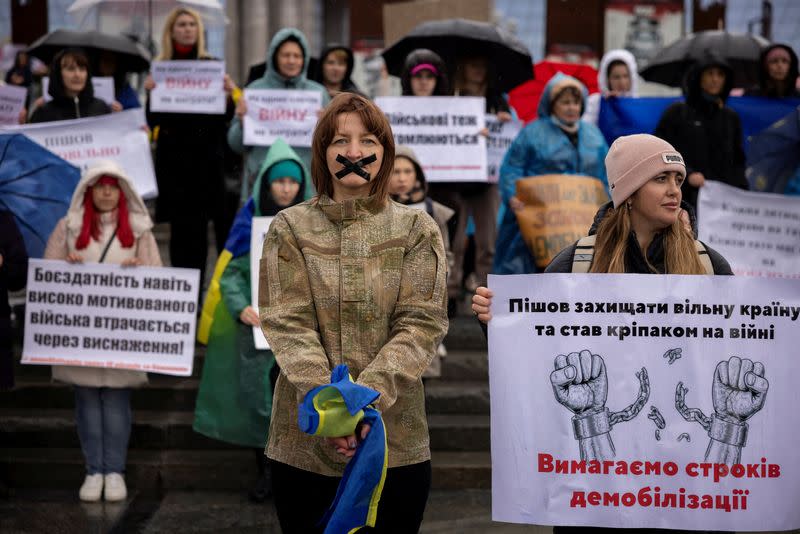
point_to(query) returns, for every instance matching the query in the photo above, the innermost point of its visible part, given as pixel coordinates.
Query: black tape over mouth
(355, 166)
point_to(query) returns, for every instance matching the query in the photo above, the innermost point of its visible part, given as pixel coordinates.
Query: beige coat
(357, 283)
(62, 242)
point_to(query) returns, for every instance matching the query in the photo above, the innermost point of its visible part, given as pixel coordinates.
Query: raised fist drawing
(739, 389)
(579, 381)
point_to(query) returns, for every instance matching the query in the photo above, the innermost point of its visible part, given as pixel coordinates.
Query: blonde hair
(166, 35)
(611, 246)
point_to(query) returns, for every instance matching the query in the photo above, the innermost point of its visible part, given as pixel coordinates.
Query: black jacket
(635, 261)
(189, 159)
(13, 274)
(767, 87)
(63, 107)
(706, 132)
(347, 84)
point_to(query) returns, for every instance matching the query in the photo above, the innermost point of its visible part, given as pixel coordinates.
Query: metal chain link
(633, 410)
(690, 414)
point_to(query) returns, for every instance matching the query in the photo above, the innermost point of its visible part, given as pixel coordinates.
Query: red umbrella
(525, 98)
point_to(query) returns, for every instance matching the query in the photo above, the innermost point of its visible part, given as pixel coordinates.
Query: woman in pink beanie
(644, 229)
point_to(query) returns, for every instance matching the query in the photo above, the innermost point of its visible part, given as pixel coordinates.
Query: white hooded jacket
(592, 113)
(62, 242)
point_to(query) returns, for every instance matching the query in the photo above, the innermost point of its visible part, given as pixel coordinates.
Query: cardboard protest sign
(12, 100)
(274, 113)
(647, 401)
(559, 210)
(117, 136)
(100, 315)
(758, 233)
(187, 86)
(444, 132)
(501, 135)
(259, 232)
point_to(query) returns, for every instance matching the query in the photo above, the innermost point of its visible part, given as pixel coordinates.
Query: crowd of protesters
(423, 271)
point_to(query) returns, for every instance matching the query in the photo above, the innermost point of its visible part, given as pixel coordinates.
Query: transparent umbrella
(140, 18)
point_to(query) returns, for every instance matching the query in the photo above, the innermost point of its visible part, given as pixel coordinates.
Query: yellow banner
(559, 210)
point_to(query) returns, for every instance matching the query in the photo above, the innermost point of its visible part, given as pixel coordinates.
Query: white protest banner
(259, 232)
(273, 113)
(102, 86)
(101, 315)
(645, 401)
(501, 135)
(116, 136)
(188, 86)
(758, 233)
(12, 100)
(444, 132)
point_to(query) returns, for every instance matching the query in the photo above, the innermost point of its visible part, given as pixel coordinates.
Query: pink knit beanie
(633, 160)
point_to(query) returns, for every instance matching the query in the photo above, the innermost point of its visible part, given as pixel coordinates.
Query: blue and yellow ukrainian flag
(333, 411)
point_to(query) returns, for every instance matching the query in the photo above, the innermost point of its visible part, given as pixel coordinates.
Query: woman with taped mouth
(642, 230)
(350, 277)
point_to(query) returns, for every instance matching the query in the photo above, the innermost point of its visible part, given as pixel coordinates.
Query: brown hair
(338, 54)
(374, 121)
(461, 74)
(73, 55)
(610, 249)
(166, 35)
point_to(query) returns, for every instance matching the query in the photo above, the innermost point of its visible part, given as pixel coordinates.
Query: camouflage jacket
(357, 283)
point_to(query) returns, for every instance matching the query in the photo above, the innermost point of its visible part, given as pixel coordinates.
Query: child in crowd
(235, 398)
(107, 222)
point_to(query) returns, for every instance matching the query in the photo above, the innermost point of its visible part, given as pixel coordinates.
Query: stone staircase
(39, 446)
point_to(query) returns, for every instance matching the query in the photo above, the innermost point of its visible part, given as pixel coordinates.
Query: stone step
(150, 472)
(156, 430)
(463, 364)
(163, 392)
(449, 397)
(172, 393)
(465, 334)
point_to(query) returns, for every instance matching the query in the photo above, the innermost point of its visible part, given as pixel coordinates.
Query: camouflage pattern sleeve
(286, 310)
(419, 321)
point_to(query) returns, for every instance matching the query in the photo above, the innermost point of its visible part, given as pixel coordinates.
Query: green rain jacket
(235, 398)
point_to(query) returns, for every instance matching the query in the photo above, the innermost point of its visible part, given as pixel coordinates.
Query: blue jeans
(103, 417)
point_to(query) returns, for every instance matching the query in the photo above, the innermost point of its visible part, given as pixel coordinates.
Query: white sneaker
(115, 489)
(92, 488)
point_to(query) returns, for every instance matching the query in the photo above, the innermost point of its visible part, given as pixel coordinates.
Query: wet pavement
(60, 512)
(206, 512)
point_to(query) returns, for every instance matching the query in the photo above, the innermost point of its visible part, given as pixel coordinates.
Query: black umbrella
(742, 51)
(131, 56)
(509, 59)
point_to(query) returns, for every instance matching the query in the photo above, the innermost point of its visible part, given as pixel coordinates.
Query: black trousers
(302, 498)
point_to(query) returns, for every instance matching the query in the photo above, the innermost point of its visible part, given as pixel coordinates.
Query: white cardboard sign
(101, 315)
(444, 132)
(647, 401)
(187, 86)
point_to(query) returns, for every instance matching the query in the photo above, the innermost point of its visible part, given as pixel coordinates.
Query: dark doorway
(28, 20)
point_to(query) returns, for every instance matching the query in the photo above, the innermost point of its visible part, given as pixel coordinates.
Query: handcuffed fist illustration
(580, 384)
(739, 389)
(579, 381)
